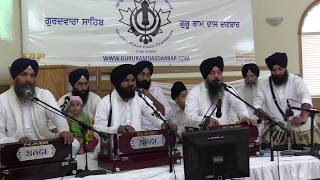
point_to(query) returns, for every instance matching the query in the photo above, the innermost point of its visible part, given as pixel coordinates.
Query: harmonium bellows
(136, 150)
(37, 159)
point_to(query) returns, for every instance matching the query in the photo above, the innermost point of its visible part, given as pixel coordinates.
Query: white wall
(268, 39)
(283, 37)
(11, 50)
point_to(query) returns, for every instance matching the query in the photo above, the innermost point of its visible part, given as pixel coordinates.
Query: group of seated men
(123, 110)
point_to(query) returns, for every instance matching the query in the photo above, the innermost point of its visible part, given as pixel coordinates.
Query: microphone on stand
(65, 103)
(138, 90)
(224, 85)
(28, 93)
(219, 113)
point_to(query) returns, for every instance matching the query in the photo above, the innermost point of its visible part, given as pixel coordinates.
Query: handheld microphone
(289, 111)
(219, 103)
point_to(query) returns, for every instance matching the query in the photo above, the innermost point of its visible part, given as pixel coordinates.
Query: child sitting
(75, 110)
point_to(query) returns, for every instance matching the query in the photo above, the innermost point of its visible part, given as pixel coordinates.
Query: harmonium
(137, 150)
(36, 159)
(254, 147)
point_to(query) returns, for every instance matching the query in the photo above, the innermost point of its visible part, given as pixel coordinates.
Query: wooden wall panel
(316, 102)
(4, 88)
(55, 78)
(52, 79)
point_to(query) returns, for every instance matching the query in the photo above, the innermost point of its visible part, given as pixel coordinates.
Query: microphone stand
(312, 113)
(170, 131)
(264, 116)
(204, 123)
(84, 127)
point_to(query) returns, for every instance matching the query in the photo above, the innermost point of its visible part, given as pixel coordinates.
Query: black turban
(176, 89)
(252, 67)
(207, 65)
(75, 75)
(277, 59)
(143, 64)
(21, 64)
(120, 73)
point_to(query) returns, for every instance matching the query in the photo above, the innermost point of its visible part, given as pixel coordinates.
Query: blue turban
(143, 64)
(207, 65)
(120, 73)
(252, 67)
(176, 89)
(277, 58)
(76, 74)
(19, 65)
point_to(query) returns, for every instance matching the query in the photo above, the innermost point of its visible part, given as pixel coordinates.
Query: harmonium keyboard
(36, 159)
(136, 150)
(254, 147)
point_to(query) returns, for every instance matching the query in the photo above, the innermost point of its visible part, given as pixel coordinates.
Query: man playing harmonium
(121, 111)
(272, 97)
(203, 98)
(23, 120)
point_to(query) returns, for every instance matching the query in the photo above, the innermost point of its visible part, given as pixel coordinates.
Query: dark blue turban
(120, 73)
(252, 67)
(143, 64)
(277, 58)
(207, 65)
(176, 89)
(19, 65)
(76, 74)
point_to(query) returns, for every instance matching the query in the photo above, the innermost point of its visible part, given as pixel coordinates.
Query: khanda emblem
(145, 21)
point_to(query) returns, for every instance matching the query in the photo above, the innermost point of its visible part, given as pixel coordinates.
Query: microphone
(138, 90)
(223, 85)
(28, 93)
(65, 103)
(289, 111)
(219, 103)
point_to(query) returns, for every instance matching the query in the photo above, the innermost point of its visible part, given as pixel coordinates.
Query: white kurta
(294, 89)
(90, 107)
(7, 121)
(179, 118)
(158, 94)
(124, 112)
(198, 102)
(248, 94)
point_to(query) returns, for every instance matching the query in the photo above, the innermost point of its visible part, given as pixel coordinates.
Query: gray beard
(21, 92)
(249, 93)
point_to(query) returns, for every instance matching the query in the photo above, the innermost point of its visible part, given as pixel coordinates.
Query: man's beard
(84, 94)
(125, 94)
(249, 92)
(21, 91)
(250, 84)
(143, 84)
(214, 88)
(280, 79)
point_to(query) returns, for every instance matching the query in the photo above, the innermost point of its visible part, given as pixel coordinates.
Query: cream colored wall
(268, 39)
(283, 37)
(10, 50)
